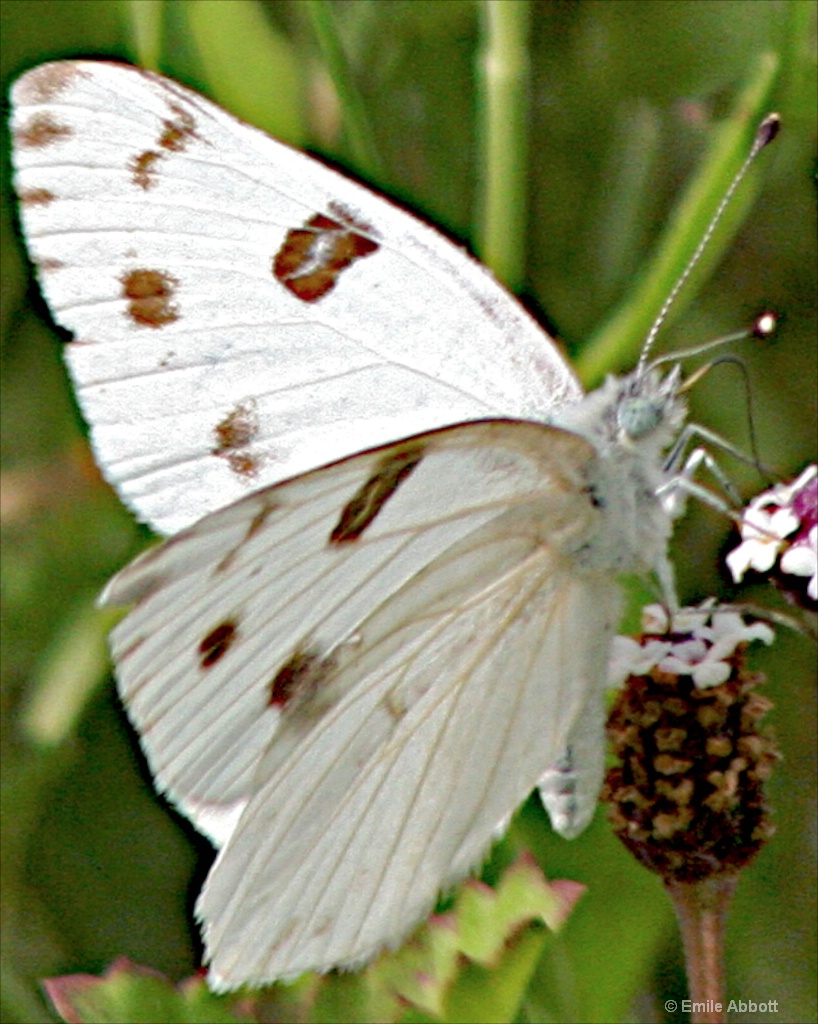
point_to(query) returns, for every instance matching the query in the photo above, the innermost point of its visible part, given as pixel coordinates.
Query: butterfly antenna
(736, 361)
(762, 327)
(767, 131)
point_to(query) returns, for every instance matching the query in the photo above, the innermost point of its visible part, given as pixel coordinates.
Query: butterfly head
(649, 405)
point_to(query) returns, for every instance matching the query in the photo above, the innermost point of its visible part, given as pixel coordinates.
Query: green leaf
(129, 994)
(482, 951)
(251, 68)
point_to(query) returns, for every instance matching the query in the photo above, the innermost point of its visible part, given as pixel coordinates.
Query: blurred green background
(624, 99)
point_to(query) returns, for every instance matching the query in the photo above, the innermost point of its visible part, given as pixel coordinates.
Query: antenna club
(764, 325)
(767, 130)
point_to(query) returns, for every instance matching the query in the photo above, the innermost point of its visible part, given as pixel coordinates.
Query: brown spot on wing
(39, 131)
(45, 83)
(143, 168)
(46, 265)
(243, 463)
(260, 518)
(149, 294)
(256, 523)
(234, 435)
(36, 196)
(299, 678)
(177, 131)
(237, 429)
(217, 643)
(313, 256)
(365, 505)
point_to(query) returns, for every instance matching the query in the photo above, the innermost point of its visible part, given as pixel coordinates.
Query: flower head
(686, 796)
(698, 642)
(779, 535)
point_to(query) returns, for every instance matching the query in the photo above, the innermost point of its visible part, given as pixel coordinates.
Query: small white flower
(695, 658)
(630, 658)
(710, 672)
(780, 526)
(729, 630)
(683, 655)
(784, 494)
(802, 560)
(694, 620)
(710, 638)
(762, 536)
(655, 619)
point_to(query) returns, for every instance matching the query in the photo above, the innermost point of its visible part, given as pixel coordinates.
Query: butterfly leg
(681, 482)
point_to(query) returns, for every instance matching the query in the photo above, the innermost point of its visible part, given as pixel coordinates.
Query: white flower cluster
(698, 643)
(781, 524)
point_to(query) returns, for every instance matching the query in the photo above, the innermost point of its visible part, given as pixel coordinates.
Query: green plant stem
(503, 82)
(356, 124)
(701, 909)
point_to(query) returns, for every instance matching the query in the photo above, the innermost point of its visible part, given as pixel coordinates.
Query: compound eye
(638, 416)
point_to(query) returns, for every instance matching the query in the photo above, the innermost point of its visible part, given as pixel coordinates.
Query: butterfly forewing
(242, 314)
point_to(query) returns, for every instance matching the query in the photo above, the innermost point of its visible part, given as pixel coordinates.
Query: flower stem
(701, 908)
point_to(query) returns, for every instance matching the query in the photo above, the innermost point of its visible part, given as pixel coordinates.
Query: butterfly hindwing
(244, 616)
(399, 787)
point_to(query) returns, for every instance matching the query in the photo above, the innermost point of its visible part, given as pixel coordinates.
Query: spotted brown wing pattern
(240, 312)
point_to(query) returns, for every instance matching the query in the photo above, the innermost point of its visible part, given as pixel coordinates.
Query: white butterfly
(348, 676)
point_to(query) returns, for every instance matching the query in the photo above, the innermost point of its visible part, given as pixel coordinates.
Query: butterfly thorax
(631, 421)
